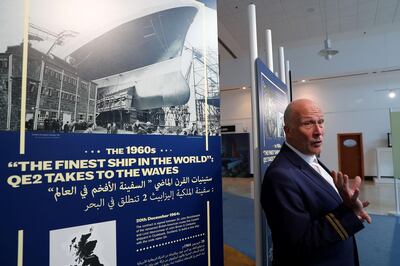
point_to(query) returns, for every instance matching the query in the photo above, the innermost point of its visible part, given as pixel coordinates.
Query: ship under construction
(153, 69)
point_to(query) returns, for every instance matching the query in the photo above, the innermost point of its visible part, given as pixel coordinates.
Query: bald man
(313, 213)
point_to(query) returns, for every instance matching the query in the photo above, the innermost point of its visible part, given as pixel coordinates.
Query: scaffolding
(212, 88)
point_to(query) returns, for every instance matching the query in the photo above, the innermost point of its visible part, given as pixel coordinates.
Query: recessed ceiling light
(244, 87)
(303, 80)
(392, 94)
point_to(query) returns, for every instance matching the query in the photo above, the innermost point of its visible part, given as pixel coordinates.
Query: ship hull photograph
(136, 67)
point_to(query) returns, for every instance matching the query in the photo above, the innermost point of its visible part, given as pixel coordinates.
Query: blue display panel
(273, 99)
(143, 185)
(110, 199)
(272, 102)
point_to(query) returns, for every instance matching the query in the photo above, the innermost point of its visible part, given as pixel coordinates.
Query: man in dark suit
(313, 215)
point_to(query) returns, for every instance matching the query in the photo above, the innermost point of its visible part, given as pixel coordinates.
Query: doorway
(66, 118)
(351, 155)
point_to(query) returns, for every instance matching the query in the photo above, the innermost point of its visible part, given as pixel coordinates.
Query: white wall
(372, 124)
(352, 104)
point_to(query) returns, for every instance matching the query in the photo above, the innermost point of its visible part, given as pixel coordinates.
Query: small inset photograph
(91, 244)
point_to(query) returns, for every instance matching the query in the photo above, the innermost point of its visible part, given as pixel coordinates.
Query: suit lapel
(310, 172)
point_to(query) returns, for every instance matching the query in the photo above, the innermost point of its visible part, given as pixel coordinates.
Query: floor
(380, 195)
(232, 257)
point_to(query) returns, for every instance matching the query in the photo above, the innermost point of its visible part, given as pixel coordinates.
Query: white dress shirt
(313, 162)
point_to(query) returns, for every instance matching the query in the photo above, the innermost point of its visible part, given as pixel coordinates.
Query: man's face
(305, 131)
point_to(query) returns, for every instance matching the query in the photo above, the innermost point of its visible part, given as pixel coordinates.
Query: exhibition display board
(113, 157)
(273, 99)
(395, 130)
(395, 133)
(272, 102)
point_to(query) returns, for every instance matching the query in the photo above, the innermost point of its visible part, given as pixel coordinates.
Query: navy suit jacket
(309, 223)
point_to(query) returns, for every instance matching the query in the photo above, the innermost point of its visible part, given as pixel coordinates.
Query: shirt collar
(308, 158)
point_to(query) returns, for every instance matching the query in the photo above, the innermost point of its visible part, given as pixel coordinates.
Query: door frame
(361, 150)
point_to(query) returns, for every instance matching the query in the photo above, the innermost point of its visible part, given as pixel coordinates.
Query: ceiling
(298, 20)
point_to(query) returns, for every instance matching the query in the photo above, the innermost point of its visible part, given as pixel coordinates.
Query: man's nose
(318, 129)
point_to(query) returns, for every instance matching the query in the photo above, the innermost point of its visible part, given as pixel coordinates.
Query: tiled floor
(378, 242)
(238, 186)
(380, 195)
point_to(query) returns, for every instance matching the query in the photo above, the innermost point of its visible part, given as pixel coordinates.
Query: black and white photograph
(112, 67)
(92, 244)
(273, 112)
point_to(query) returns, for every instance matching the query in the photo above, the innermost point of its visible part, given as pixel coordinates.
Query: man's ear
(287, 131)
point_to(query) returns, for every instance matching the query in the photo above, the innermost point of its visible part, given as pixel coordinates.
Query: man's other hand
(350, 193)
